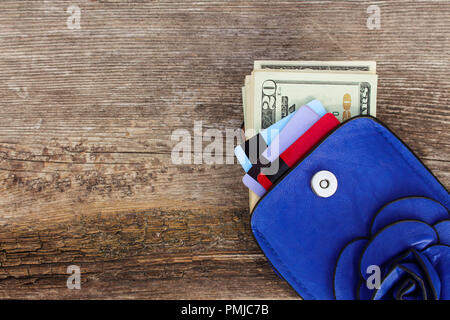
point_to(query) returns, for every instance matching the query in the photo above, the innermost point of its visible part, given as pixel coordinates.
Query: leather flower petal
(346, 274)
(439, 257)
(389, 281)
(414, 208)
(405, 290)
(443, 230)
(412, 277)
(431, 275)
(395, 239)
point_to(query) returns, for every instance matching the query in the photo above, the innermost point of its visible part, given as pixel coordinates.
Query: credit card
(297, 150)
(253, 185)
(260, 142)
(301, 121)
(249, 153)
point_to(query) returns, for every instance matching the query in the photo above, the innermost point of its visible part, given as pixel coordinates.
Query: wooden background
(86, 116)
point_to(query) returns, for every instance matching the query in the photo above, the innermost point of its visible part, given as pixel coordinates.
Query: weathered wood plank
(86, 118)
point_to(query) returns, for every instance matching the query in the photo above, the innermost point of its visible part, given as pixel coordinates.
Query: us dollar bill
(276, 94)
(317, 66)
(278, 88)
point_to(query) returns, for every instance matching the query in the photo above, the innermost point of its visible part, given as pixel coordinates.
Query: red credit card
(298, 149)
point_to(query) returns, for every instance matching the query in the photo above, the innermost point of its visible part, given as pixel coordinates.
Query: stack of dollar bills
(276, 89)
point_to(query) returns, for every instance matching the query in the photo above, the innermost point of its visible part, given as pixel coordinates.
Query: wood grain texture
(86, 117)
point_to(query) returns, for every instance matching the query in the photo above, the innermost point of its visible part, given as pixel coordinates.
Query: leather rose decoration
(408, 245)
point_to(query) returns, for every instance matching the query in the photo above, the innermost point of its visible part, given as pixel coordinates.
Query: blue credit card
(249, 152)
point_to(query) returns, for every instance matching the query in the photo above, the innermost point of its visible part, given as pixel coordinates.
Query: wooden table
(87, 114)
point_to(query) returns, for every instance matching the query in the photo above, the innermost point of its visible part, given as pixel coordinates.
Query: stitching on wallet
(277, 258)
(407, 160)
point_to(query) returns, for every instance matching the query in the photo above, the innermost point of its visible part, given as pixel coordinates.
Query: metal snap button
(324, 183)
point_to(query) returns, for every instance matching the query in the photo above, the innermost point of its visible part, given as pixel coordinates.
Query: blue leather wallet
(359, 217)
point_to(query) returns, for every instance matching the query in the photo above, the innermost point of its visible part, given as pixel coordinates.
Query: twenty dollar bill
(277, 94)
(277, 88)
